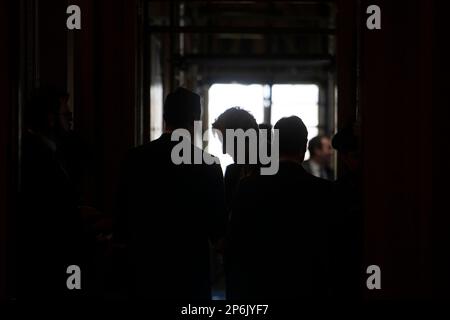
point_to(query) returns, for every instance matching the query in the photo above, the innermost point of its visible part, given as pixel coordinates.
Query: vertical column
(396, 100)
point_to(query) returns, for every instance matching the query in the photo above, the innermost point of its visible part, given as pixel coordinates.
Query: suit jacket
(278, 245)
(325, 172)
(49, 227)
(168, 215)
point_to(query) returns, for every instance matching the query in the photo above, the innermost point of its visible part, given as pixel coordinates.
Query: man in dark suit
(278, 238)
(49, 226)
(234, 119)
(319, 163)
(170, 213)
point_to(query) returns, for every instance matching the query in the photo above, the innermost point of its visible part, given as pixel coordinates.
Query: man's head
(48, 111)
(181, 108)
(346, 142)
(320, 150)
(293, 137)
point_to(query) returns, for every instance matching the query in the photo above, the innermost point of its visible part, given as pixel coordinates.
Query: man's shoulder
(320, 183)
(150, 147)
(144, 157)
(160, 151)
(204, 153)
(298, 175)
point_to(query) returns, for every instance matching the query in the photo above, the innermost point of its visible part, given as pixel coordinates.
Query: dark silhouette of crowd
(283, 236)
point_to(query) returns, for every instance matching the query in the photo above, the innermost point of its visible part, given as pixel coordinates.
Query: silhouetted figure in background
(319, 163)
(236, 118)
(279, 225)
(49, 225)
(169, 213)
(348, 218)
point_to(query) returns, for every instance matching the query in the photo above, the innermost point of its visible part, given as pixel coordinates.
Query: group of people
(289, 235)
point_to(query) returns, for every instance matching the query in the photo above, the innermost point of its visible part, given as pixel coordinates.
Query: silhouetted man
(169, 212)
(278, 240)
(319, 163)
(233, 119)
(49, 237)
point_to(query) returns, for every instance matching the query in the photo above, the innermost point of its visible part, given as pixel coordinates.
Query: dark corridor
(373, 102)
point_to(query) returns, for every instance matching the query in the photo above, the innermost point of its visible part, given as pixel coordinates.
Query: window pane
(296, 100)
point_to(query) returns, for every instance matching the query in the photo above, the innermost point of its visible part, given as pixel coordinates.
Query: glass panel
(297, 100)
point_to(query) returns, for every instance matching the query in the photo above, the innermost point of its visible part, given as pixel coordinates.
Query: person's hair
(181, 108)
(345, 140)
(43, 101)
(235, 118)
(293, 135)
(315, 144)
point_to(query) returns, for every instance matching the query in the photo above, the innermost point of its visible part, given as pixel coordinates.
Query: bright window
(287, 100)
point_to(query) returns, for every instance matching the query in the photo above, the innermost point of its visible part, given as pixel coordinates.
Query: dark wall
(397, 77)
(346, 61)
(6, 165)
(106, 99)
(440, 235)
(396, 105)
